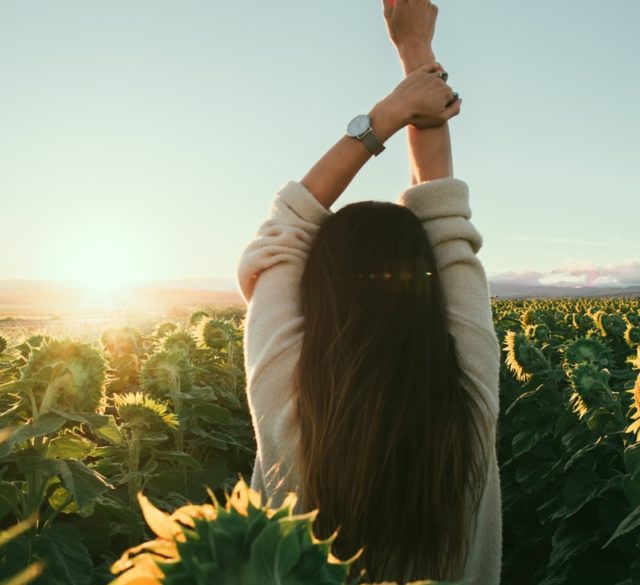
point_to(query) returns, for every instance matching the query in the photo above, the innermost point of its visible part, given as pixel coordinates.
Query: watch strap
(370, 140)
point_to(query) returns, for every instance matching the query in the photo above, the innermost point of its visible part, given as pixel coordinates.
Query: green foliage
(254, 548)
(166, 373)
(143, 412)
(568, 452)
(26, 575)
(62, 375)
(122, 340)
(215, 333)
(165, 328)
(180, 341)
(88, 426)
(241, 543)
(88, 434)
(196, 317)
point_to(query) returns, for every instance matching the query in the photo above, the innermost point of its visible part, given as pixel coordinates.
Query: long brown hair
(392, 444)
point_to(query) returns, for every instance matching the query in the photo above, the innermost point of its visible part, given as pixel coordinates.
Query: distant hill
(42, 297)
(59, 298)
(514, 290)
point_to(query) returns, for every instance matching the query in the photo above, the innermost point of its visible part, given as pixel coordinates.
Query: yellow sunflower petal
(186, 514)
(239, 498)
(160, 549)
(256, 497)
(136, 576)
(159, 521)
(290, 500)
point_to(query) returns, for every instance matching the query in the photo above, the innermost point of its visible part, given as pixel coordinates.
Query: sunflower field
(569, 448)
(115, 454)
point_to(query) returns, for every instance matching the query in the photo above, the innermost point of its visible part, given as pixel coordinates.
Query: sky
(146, 139)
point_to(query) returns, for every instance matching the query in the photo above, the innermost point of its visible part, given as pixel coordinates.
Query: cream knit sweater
(269, 273)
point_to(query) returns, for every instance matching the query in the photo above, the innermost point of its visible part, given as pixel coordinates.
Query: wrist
(388, 116)
(415, 58)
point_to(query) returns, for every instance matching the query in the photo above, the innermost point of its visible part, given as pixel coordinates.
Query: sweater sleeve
(443, 208)
(268, 274)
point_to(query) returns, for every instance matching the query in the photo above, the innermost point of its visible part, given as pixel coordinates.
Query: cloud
(574, 242)
(575, 274)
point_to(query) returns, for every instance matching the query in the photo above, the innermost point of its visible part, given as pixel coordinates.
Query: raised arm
(422, 100)
(411, 26)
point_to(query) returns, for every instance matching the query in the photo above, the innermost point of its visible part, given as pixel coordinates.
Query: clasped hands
(423, 99)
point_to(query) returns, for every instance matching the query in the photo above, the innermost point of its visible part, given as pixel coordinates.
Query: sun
(97, 293)
(103, 285)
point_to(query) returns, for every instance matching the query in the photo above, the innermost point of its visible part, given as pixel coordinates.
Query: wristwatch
(360, 129)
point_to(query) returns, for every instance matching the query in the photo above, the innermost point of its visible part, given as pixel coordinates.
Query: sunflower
(523, 358)
(588, 351)
(141, 411)
(634, 427)
(64, 374)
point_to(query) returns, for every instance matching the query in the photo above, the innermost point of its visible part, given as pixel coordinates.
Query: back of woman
(372, 363)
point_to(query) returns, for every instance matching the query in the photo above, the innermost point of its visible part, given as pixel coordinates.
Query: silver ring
(442, 75)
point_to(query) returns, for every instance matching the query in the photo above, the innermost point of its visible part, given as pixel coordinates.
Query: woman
(371, 359)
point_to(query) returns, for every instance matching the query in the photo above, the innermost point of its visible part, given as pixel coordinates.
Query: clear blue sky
(145, 138)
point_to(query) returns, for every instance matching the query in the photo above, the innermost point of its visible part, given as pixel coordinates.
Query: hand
(411, 25)
(424, 100)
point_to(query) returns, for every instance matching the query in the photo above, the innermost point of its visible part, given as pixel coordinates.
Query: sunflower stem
(134, 462)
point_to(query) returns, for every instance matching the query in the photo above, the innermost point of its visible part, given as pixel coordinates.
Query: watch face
(358, 125)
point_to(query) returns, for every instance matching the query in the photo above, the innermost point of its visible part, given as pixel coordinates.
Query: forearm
(331, 175)
(430, 155)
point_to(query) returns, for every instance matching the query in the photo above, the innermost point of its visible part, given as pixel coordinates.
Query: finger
(455, 98)
(388, 7)
(453, 109)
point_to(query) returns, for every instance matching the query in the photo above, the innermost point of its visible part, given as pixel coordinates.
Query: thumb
(453, 109)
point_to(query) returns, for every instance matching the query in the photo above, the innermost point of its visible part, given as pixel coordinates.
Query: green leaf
(120, 518)
(104, 426)
(165, 482)
(18, 386)
(631, 522)
(68, 558)
(69, 447)
(523, 398)
(178, 457)
(213, 474)
(603, 422)
(8, 498)
(288, 551)
(525, 440)
(600, 449)
(632, 458)
(47, 425)
(213, 413)
(85, 484)
(631, 487)
(263, 551)
(581, 487)
(61, 499)
(31, 459)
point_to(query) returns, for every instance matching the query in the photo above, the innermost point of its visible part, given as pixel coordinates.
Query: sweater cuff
(447, 197)
(295, 198)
